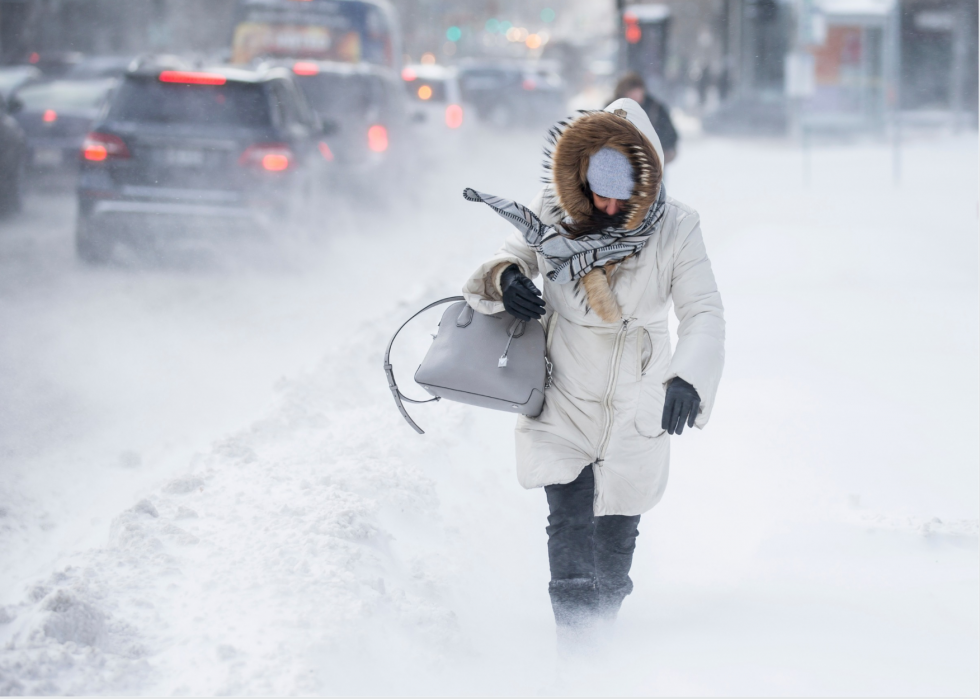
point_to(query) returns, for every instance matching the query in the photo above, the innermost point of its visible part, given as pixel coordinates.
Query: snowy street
(207, 488)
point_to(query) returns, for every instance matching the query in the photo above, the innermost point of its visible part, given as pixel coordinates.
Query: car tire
(90, 248)
(12, 189)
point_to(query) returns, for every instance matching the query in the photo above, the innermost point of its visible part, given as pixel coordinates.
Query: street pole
(620, 38)
(897, 93)
(800, 80)
(959, 66)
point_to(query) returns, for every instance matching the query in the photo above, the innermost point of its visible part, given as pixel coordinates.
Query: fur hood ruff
(624, 126)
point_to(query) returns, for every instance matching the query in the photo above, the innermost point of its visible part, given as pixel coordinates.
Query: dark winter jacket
(660, 118)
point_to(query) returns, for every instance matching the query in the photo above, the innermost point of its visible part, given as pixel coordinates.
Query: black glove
(681, 406)
(521, 298)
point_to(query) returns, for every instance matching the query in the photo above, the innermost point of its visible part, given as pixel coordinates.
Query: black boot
(609, 600)
(615, 541)
(575, 603)
(590, 559)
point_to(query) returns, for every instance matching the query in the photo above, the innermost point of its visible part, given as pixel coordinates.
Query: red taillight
(454, 116)
(275, 162)
(191, 78)
(408, 75)
(50, 116)
(34, 57)
(528, 84)
(378, 138)
(103, 146)
(96, 152)
(325, 151)
(272, 157)
(305, 68)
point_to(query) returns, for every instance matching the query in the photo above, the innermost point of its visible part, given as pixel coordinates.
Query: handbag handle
(389, 372)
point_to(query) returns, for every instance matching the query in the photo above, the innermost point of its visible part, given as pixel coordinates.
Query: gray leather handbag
(491, 361)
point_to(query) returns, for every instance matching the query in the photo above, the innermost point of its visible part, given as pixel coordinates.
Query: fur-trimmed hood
(624, 126)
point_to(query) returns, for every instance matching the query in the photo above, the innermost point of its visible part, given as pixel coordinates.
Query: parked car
(13, 156)
(545, 98)
(14, 77)
(365, 110)
(509, 94)
(435, 96)
(196, 153)
(54, 64)
(55, 115)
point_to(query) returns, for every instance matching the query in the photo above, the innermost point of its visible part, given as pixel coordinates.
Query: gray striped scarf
(573, 258)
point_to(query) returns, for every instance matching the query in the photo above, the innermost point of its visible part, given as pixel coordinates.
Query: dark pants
(590, 556)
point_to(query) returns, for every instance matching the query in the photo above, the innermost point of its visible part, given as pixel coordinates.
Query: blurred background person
(632, 86)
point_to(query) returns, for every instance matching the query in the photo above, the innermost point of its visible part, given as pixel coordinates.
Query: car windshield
(342, 95)
(424, 90)
(12, 77)
(487, 79)
(65, 95)
(231, 104)
(99, 67)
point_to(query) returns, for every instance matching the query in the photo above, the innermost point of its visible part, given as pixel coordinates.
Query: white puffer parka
(606, 400)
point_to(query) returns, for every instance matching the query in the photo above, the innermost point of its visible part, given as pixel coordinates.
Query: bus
(347, 31)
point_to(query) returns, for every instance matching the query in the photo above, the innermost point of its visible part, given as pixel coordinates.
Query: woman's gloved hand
(521, 298)
(681, 406)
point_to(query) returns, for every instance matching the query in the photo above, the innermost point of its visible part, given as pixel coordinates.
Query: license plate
(48, 156)
(183, 157)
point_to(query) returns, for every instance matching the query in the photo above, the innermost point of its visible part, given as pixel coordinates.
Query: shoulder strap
(389, 372)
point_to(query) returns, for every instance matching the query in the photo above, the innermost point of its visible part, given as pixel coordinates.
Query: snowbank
(820, 537)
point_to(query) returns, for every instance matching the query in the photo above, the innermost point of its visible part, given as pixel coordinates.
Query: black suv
(180, 152)
(55, 116)
(511, 94)
(13, 157)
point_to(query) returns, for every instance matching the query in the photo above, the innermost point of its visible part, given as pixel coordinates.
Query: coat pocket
(644, 352)
(650, 408)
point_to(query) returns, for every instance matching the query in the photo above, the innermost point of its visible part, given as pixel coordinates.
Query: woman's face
(636, 94)
(608, 205)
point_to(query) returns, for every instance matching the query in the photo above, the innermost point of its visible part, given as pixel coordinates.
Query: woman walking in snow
(613, 250)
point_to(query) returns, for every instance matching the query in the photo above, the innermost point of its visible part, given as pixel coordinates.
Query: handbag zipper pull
(502, 362)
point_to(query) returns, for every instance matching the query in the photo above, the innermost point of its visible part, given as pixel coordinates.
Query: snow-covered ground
(207, 489)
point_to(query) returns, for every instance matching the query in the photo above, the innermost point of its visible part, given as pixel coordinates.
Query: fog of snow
(208, 490)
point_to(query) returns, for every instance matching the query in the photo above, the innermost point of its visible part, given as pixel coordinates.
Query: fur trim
(573, 143)
(493, 278)
(601, 298)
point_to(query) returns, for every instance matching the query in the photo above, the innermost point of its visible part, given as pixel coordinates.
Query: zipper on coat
(549, 335)
(611, 390)
(552, 322)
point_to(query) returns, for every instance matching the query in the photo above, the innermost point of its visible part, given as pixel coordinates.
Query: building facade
(749, 65)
